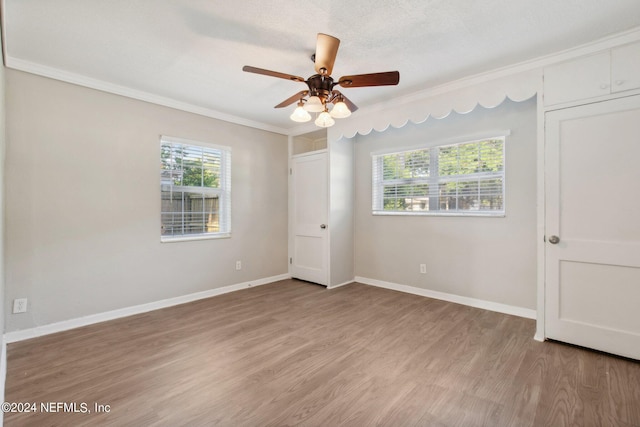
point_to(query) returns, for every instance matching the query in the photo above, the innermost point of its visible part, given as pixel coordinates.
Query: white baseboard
(341, 284)
(65, 325)
(473, 302)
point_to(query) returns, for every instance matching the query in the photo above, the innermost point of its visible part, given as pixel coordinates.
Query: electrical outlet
(19, 305)
(423, 268)
(238, 265)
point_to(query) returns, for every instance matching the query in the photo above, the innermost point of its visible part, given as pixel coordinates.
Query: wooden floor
(293, 353)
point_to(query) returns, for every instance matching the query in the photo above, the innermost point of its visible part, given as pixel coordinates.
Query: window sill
(452, 214)
(195, 237)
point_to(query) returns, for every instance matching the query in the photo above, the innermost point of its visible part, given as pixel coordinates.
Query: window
(458, 179)
(195, 187)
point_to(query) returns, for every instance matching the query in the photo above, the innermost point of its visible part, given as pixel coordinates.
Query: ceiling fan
(321, 90)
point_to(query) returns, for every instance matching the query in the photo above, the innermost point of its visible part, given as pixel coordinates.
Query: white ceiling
(192, 51)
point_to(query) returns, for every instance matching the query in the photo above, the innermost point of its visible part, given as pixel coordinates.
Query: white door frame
(540, 334)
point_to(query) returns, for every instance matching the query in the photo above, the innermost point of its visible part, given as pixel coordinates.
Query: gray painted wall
(83, 201)
(341, 196)
(2, 204)
(492, 259)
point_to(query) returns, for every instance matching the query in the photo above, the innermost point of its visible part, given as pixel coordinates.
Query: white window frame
(223, 191)
(433, 179)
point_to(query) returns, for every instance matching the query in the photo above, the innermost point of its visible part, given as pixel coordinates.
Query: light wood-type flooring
(293, 353)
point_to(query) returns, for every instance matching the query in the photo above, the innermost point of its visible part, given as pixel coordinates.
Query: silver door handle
(323, 226)
(554, 240)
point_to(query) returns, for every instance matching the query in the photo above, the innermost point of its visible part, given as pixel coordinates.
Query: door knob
(554, 240)
(323, 226)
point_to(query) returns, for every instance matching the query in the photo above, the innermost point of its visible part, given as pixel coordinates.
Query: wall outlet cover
(19, 305)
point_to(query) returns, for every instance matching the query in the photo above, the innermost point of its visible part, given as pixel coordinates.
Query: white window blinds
(460, 179)
(195, 187)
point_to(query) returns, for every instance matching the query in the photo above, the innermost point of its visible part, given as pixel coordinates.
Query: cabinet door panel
(625, 67)
(582, 78)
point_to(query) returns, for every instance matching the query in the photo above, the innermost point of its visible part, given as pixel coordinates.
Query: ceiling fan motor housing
(320, 86)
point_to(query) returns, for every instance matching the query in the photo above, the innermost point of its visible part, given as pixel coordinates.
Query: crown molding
(517, 82)
(417, 96)
(525, 66)
(101, 85)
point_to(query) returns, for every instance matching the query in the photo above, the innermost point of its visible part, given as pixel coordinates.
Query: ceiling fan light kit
(321, 90)
(325, 120)
(300, 115)
(340, 110)
(314, 104)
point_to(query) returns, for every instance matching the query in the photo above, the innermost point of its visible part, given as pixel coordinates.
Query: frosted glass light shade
(340, 110)
(325, 120)
(314, 104)
(300, 115)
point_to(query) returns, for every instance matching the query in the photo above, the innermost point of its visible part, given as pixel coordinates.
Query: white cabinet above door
(625, 67)
(582, 78)
(594, 76)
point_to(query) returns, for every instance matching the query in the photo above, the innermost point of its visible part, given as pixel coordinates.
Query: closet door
(592, 253)
(310, 199)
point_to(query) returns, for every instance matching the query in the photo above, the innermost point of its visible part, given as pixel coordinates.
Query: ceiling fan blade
(250, 69)
(352, 107)
(389, 78)
(292, 99)
(326, 51)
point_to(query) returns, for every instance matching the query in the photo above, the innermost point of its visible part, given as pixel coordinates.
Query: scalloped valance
(461, 97)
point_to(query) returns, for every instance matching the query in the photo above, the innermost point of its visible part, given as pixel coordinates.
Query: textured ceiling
(193, 51)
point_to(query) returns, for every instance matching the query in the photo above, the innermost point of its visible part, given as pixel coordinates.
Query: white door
(592, 251)
(309, 185)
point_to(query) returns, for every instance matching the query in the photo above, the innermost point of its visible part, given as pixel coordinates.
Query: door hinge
(290, 260)
(290, 171)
